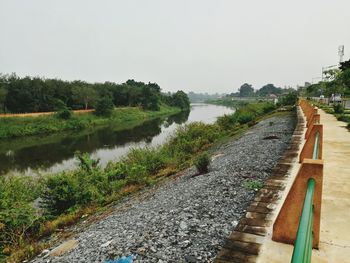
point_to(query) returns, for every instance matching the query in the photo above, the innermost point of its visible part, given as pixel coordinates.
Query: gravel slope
(187, 219)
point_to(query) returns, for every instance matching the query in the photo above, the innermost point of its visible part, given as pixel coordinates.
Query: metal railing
(303, 243)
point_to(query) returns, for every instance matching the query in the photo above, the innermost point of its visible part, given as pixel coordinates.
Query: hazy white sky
(199, 45)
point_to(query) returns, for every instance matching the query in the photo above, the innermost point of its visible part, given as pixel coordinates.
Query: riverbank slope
(187, 218)
(26, 126)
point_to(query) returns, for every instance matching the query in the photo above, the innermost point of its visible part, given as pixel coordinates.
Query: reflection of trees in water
(179, 118)
(46, 155)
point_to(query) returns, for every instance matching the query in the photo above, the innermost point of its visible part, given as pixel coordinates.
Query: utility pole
(341, 53)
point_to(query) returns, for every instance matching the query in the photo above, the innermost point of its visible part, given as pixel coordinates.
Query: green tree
(269, 89)
(104, 106)
(246, 90)
(3, 93)
(150, 100)
(84, 94)
(181, 100)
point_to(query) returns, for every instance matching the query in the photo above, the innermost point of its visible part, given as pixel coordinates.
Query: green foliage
(68, 190)
(180, 99)
(253, 185)
(339, 83)
(289, 99)
(192, 138)
(19, 127)
(345, 118)
(18, 217)
(64, 114)
(83, 94)
(151, 159)
(86, 163)
(202, 162)
(246, 90)
(3, 94)
(104, 107)
(227, 121)
(60, 193)
(150, 99)
(19, 95)
(269, 89)
(338, 108)
(245, 117)
(245, 114)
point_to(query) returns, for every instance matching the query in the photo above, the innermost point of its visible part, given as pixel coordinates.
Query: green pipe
(316, 146)
(303, 243)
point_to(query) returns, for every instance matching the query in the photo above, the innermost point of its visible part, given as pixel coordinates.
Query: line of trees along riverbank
(66, 196)
(133, 101)
(21, 95)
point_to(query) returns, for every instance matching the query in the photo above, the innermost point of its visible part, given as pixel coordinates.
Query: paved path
(335, 211)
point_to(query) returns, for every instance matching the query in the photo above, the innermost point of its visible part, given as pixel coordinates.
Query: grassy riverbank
(26, 126)
(67, 196)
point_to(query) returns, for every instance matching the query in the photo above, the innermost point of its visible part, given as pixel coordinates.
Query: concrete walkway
(335, 211)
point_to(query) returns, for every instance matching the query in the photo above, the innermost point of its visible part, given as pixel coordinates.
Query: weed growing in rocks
(202, 163)
(253, 185)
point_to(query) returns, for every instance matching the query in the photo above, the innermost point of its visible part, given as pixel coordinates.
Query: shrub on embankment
(245, 114)
(66, 196)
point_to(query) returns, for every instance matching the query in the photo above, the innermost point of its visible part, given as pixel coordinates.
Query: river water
(55, 153)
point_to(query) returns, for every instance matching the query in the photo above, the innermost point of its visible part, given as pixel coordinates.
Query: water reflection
(56, 152)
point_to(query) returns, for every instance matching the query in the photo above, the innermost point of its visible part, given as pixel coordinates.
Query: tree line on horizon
(34, 94)
(247, 90)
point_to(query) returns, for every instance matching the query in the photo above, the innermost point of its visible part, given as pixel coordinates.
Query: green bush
(189, 139)
(137, 174)
(64, 114)
(245, 114)
(153, 160)
(202, 162)
(226, 122)
(18, 217)
(104, 107)
(116, 171)
(290, 99)
(245, 117)
(268, 107)
(68, 190)
(338, 108)
(60, 193)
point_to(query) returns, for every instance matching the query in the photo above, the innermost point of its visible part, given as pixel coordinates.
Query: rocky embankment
(187, 218)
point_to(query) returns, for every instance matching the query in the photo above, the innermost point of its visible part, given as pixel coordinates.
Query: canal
(55, 153)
